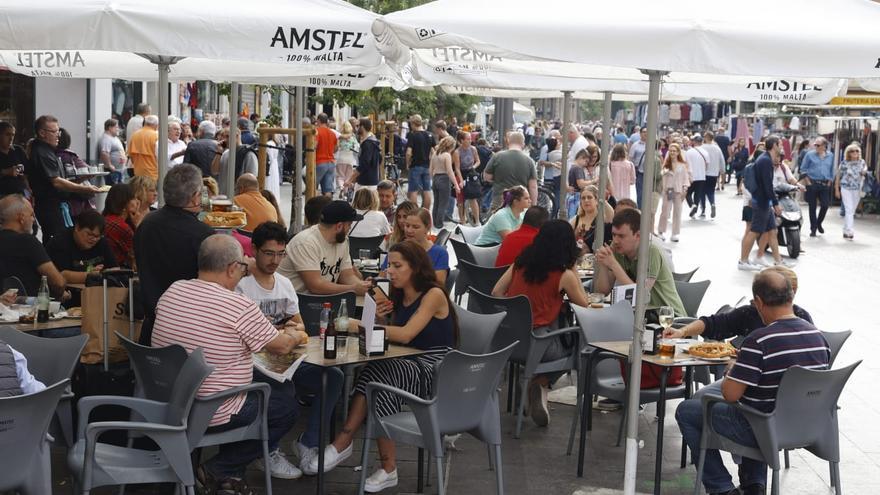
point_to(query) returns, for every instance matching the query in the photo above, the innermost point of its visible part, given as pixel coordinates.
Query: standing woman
(422, 316)
(622, 171)
(738, 161)
(848, 185)
(347, 149)
(442, 178)
(466, 160)
(676, 180)
(507, 218)
(584, 223)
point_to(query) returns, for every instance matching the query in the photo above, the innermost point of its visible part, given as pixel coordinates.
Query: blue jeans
(486, 202)
(728, 422)
(307, 380)
(555, 185)
(709, 189)
(640, 177)
(325, 176)
(115, 177)
(419, 180)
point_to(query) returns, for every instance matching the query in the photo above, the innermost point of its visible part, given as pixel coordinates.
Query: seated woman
(544, 272)
(145, 191)
(423, 317)
(374, 224)
(416, 227)
(122, 216)
(507, 219)
(584, 223)
(398, 231)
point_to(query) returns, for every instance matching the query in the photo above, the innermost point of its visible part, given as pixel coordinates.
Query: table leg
(586, 411)
(688, 386)
(661, 414)
(322, 442)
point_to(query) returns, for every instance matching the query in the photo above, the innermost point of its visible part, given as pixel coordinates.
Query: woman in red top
(544, 272)
(122, 214)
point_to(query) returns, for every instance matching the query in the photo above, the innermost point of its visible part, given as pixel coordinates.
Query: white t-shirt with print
(308, 251)
(277, 303)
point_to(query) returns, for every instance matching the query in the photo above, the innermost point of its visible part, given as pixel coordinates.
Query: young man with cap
(318, 259)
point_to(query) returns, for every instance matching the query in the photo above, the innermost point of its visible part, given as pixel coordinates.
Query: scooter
(789, 222)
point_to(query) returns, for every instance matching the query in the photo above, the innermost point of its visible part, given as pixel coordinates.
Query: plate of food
(74, 312)
(713, 351)
(226, 219)
(104, 189)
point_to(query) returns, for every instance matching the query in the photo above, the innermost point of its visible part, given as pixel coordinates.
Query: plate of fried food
(713, 351)
(226, 219)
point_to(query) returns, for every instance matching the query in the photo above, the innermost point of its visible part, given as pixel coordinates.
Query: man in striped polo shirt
(206, 312)
(753, 380)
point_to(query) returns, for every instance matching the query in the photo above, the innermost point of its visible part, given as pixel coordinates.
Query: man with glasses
(81, 251)
(818, 167)
(46, 176)
(278, 302)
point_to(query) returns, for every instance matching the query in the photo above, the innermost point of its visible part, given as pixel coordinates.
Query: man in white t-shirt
(277, 300)
(176, 146)
(110, 151)
(318, 260)
(698, 161)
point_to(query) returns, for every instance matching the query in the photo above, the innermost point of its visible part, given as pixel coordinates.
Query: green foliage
(386, 6)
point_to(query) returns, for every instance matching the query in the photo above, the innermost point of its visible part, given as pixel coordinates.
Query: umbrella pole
(566, 147)
(635, 374)
(603, 171)
(297, 204)
(162, 89)
(232, 140)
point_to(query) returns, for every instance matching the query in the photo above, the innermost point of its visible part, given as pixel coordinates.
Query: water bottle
(325, 319)
(43, 301)
(342, 326)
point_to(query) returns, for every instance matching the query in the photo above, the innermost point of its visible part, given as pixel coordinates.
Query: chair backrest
(310, 307)
(691, 294)
(610, 324)
(835, 342)
(684, 276)
(183, 391)
(807, 401)
(485, 256)
(442, 237)
(464, 385)
(516, 325)
(476, 331)
(450, 280)
(462, 251)
(481, 278)
(469, 234)
(49, 360)
(155, 368)
(355, 244)
(25, 420)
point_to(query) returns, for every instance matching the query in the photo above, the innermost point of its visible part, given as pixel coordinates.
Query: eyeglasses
(51, 131)
(243, 265)
(274, 254)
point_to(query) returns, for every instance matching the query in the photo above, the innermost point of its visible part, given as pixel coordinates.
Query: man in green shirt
(509, 168)
(617, 264)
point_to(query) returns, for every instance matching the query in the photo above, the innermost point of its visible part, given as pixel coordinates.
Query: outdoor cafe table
(351, 357)
(41, 328)
(622, 348)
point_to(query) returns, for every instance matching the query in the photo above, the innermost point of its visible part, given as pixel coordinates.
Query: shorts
(747, 214)
(763, 219)
(419, 179)
(325, 175)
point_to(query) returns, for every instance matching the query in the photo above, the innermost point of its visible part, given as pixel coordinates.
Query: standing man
(698, 161)
(12, 161)
(176, 146)
(818, 166)
(202, 151)
(247, 137)
(142, 149)
(166, 243)
(366, 175)
(325, 168)
(511, 167)
(714, 168)
(765, 205)
(135, 123)
(46, 176)
(637, 156)
(110, 151)
(419, 151)
(723, 142)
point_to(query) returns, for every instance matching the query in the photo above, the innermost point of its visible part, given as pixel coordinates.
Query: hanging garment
(675, 111)
(664, 113)
(686, 112)
(758, 131)
(696, 112)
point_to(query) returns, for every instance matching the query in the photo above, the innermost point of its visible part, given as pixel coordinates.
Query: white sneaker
(380, 480)
(662, 236)
(306, 455)
(759, 262)
(745, 265)
(279, 466)
(332, 458)
(785, 263)
(675, 238)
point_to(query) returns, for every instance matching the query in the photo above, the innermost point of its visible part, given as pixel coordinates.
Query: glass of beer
(667, 349)
(596, 300)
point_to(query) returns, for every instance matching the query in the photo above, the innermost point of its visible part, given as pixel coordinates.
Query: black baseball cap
(339, 211)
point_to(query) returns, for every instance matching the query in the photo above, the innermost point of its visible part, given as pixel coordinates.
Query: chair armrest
(151, 410)
(557, 332)
(762, 424)
(260, 387)
(95, 429)
(170, 439)
(375, 387)
(204, 408)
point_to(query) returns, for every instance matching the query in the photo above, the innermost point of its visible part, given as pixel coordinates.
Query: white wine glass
(666, 317)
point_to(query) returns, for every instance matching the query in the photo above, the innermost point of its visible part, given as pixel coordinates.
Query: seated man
(753, 380)
(387, 199)
(12, 363)
(230, 328)
(278, 302)
(519, 239)
(21, 254)
(257, 208)
(617, 264)
(82, 250)
(625, 203)
(318, 259)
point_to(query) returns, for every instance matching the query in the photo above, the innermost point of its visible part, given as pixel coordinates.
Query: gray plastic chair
(442, 237)
(469, 234)
(310, 307)
(476, 331)
(462, 250)
(485, 256)
(691, 294)
(464, 400)
(156, 369)
(805, 417)
(26, 465)
(685, 276)
(481, 278)
(355, 244)
(51, 361)
(99, 464)
(517, 327)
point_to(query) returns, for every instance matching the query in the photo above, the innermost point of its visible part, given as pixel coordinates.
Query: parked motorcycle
(789, 222)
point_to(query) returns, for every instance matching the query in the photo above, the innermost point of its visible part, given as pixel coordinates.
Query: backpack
(749, 178)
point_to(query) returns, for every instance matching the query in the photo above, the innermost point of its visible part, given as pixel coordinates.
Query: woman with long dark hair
(122, 216)
(584, 223)
(544, 272)
(423, 317)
